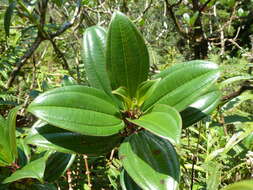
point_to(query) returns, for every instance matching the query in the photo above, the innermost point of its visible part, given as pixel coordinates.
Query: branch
(245, 86)
(68, 24)
(147, 7)
(170, 9)
(60, 54)
(205, 4)
(23, 60)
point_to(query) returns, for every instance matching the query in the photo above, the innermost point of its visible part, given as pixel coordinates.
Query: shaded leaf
(38, 186)
(53, 138)
(127, 182)
(7, 17)
(150, 161)
(202, 107)
(57, 164)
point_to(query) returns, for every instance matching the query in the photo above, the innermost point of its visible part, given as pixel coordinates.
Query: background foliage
(40, 44)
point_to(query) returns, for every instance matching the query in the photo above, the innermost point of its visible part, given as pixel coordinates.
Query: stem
(85, 157)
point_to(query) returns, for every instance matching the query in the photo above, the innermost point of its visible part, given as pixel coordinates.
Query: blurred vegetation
(40, 44)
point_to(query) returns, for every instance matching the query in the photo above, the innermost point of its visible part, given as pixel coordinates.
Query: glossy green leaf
(202, 107)
(127, 183)
(53, 138)
(34, 169)
(127, 58)
(242, 185)
(151, 162)
(145, 90)
(122, 92)
(182, 84)
(79, 109)
(94, 41)
(7, 17)
(163, 121)
(57, 164)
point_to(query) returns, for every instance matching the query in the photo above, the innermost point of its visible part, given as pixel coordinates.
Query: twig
(69, 179)
(147, 7)
(205, 4)
(23, 60)
(174, 19)
(245, 86)
(60, 55)
(85, 157)
(68, 24)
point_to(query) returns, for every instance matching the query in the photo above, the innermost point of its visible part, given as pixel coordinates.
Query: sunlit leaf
(78, 109)
(182, 84)
(127, 58)
(94, 41)
(163, 121)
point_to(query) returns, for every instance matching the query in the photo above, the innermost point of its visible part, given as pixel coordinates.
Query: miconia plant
(126, 107)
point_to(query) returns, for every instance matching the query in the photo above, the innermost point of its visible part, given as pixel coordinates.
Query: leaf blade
(182, 84)
(34, 169)
(127, 57)
(144, 153)
(53, 138)
(7, 17)
(79, 109)
(94, 41)
(163, 121)
(202, 107)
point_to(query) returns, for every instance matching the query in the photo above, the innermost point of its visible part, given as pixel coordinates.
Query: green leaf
(53, 138)
(145, 90)
(38, 186)
(202, 107)
(242, 185)
(127, 182)
(182, 84)
(11, 131)
(233, 103)
(8, 145)
(127, 58)
(57, 164)
(7, 17)
(235, 79)
(34, 169)
(94, 41)
(123, 94)
(163, 121)
(150, 161)
(78, 109)
(24, 152)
